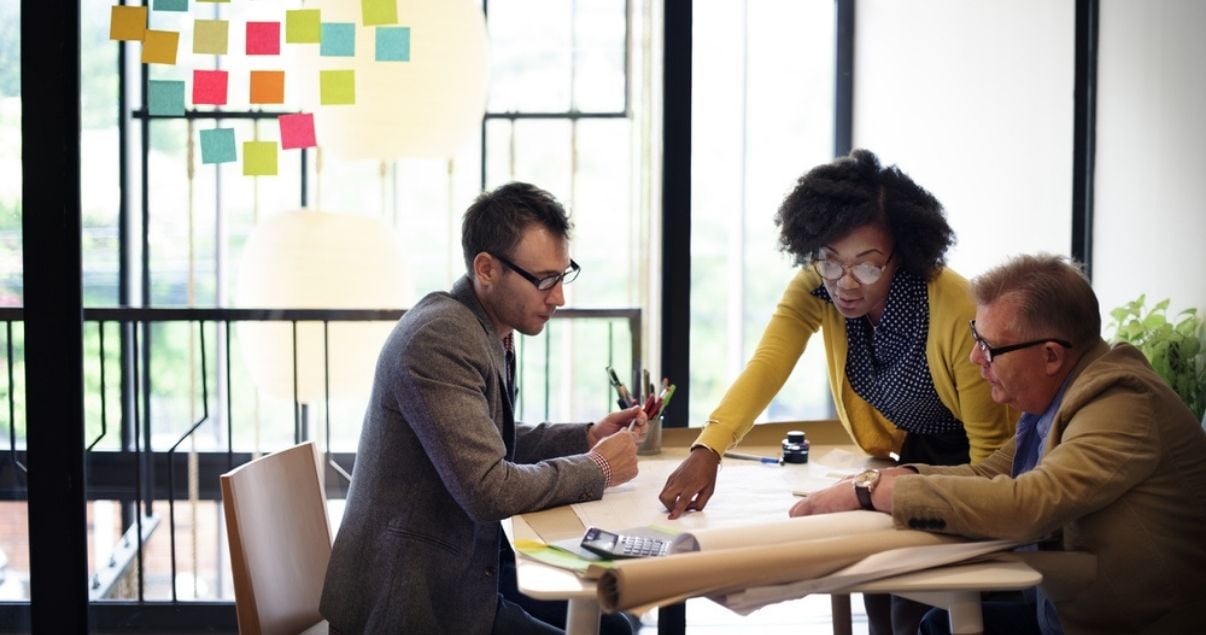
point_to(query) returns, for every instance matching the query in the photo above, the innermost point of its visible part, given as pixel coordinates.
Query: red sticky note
(297, 131)
(209, 87)
(267, 87)
(263, 38)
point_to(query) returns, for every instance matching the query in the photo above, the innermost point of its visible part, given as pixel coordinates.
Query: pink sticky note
(263, 38)
(297, 131)
(209, 87)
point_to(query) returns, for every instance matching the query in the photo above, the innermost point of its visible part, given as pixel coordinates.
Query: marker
(753, 457)
(624, 399)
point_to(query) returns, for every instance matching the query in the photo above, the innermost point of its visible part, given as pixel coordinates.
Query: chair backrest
(280, 540)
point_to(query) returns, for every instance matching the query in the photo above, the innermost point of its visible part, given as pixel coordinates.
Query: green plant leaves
(1175, 351)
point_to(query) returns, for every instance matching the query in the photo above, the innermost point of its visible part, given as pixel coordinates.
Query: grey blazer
(440, 463)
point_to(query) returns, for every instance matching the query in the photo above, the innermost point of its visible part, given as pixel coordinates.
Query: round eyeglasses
(547, 282)
(863, 272)
(993, 351)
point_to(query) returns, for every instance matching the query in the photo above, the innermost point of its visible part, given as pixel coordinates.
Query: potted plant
(1174, 348)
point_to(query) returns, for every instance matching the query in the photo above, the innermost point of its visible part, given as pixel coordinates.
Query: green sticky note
(338, 39)
(378, 12)
(337, 88)
(170, 5)
(393, 44)
(218, 145)
(211, 37)
(165, 97)
(259, 158)
(303, 26)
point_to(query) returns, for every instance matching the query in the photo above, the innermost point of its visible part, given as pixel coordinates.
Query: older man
(1107, 462)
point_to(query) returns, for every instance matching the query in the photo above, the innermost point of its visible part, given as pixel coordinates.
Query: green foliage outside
(1174, 347)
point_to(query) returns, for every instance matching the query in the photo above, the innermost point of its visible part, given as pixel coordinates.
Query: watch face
(866, 478)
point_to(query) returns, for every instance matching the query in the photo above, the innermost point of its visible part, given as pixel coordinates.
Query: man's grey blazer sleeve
(452, 393)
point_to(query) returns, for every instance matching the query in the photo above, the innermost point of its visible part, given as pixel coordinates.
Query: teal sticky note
(170, 5)
(338, 39)
(218, 145)
(393, 44)
(165, 97)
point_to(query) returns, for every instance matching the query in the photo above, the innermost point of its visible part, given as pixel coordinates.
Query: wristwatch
(864, 485)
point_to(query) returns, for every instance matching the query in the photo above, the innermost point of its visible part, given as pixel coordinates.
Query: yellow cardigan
(799, 314)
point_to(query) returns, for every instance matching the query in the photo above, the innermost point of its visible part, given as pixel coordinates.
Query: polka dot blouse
(886, 365)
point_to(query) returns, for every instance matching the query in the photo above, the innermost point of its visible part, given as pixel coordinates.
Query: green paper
(303, 26)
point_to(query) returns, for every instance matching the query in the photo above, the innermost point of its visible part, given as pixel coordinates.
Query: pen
(663, 401)
(753, 457)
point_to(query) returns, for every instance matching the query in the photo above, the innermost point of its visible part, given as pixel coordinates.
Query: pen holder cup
(653, 438)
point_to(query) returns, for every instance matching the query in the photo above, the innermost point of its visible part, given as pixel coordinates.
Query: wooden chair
(280, 541)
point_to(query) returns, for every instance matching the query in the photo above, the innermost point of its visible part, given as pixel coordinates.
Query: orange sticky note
(159, 47)
(210, 37)
(267, 87)
(259, 158)
(127, 23)
(337, 88)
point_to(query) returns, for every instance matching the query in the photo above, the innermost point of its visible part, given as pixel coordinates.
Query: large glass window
(762, 115)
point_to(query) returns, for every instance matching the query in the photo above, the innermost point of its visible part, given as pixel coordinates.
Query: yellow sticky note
(211, 37)
(159, 47)
(378, 12)
(303, 26)
(127, 23)
(259, 158)
(337, 88)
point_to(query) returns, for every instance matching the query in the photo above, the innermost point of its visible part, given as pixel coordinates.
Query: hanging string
(193, 478)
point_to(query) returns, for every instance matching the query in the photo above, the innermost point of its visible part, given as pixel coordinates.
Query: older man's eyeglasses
(863, 272)
(991, 352)
(546, 283)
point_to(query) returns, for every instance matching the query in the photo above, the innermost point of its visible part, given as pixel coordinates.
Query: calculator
(612, 546)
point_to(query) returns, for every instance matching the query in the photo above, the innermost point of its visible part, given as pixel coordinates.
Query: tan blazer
(1122, 478)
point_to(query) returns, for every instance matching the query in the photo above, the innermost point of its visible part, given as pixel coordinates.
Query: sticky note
(267, 87)
(338, 39)
(127, 23)
(336, 88)
(263, 38)
(214, 1)
(165, 97)
(211, 37)
(297, 131)
(159, 47)
(170, 5)
(378, 12)
(209, 87)
(218, 145)
(393, 44)
(259, 158)
(303, 26)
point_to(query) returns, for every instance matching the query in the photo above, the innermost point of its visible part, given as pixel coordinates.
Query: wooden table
(956, 588)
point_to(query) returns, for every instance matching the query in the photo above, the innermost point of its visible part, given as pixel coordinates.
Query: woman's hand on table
(691, 484)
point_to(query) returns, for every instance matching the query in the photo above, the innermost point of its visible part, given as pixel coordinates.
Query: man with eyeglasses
(441, 458)
(1106, 478)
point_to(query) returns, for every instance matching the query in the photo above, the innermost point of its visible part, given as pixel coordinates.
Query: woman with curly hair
(872, 245)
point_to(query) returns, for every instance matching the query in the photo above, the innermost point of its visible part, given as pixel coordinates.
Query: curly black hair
(833, 199)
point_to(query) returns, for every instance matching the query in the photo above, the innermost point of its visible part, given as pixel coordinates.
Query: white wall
(1150, 220)
(973, 99)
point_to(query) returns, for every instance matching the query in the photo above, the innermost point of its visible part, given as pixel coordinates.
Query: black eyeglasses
(546, 283)
(990, 351)
(863, 272)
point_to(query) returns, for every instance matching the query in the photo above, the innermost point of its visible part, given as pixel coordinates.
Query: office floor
(806, 616)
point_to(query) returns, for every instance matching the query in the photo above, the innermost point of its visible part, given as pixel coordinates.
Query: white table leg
(963, 606)
(583, 617)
